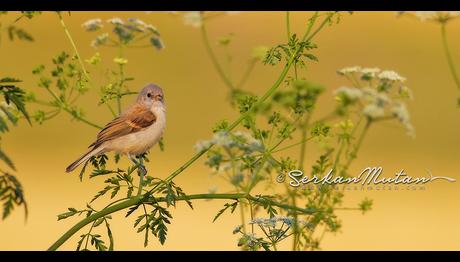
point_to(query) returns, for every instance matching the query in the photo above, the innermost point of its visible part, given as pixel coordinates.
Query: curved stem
(93, 217)
(82, 119)
(450, 61)
(247, 73)
(358, 144)
(213, 57)
(141, 176)
(64, 106)
(138, 200)
(288, 26)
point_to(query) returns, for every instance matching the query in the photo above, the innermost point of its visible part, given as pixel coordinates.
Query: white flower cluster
(195, 18)
(225, 139)
(350, 92)
(367, 73)
(375, 95)
(93, 24)
(437, 16)
(272, 222)
(100, 40)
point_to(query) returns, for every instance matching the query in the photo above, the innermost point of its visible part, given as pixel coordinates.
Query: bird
(137, 129)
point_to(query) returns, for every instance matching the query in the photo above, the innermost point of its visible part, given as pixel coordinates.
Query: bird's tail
(83, 158)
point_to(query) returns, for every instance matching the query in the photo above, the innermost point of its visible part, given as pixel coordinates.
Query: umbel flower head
(196, 18)
(433, 16)
(126, 32)
(378, 94)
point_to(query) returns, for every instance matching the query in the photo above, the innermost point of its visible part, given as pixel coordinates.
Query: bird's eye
(149, 95)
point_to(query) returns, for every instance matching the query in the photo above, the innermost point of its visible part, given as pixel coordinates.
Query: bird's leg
(139, 164)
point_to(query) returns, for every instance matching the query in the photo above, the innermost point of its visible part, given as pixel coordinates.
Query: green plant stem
(80, 61)
(288, 26)
(141, 177)
(93, 217)
(138, 200)
(65, 108)
(213, 57)
(82, 119)
(303, 146)
(243, 218)
(450, 61)
(358, 144)
(247, 73)
(122, 78)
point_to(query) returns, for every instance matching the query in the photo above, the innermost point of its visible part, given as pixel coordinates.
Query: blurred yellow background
(196, 99)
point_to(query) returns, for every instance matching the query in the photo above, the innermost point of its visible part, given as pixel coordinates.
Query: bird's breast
(141, 141)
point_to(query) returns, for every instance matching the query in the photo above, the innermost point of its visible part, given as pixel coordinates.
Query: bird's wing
(134, 120)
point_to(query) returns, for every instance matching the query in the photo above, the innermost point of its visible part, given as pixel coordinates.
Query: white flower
(253, 143)
(152, 29)
(93, 24)
(115, 21)
(349, 70)
(425, 15)
(351, 93)
(373, 111)
(437, 16)
(286, 220)
(100, 40)
(258, 221)
(224, 167)
(222, 138)
(193, 18)
(370, 72)
(400, 111)
(202, 145)
(391, 75)
(378, 98)
(137, 21)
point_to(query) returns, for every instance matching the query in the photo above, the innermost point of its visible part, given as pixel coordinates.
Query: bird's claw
(142, 169)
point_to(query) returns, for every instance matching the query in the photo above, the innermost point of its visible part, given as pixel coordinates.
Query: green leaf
(109, 234)
(9, 80)
(72, 211)
(226, 206)
(7, 160)
(13, 119)
(101, 193)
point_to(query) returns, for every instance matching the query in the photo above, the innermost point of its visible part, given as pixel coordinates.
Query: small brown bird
(135, 131)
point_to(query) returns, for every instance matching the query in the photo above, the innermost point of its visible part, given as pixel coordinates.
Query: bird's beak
(159, 98)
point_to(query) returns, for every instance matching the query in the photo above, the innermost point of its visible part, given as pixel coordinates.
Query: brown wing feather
(134, 120)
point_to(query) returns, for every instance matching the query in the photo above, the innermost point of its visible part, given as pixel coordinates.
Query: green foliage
(229, 206)
(12, 108)
(365, 205)
(11, 194)
(286, 51)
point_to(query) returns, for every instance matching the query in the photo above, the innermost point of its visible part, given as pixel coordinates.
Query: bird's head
(151, 95)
